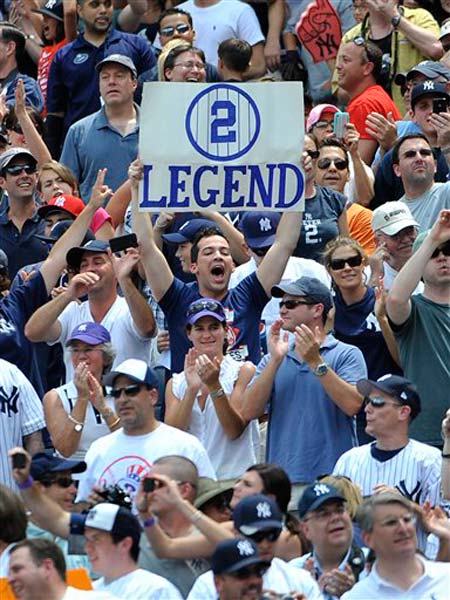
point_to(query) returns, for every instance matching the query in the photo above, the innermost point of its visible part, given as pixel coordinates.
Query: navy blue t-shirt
(320, 222)
(243, 307)
(15, 310)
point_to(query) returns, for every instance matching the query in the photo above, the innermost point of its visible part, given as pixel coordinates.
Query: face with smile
(328, 526)
(188, 66)
(175, 27)
(416, 164)
(247, 586)
(249, 484)
(297, 310)
(332, 168)
(352, 66)
(64, 496)
(21, 185)
(394, 533)
(346, 276)
(214, 264)
(207, 336)
(26, 578)
(104, 555)
(100, 264)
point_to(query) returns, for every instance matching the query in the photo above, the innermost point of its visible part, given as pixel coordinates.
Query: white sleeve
(204, 588)
(248, 28)
(31, 412)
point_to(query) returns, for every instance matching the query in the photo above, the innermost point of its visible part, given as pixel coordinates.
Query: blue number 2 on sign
(223, 122)
(220, 122)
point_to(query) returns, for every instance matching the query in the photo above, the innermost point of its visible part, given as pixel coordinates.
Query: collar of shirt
(81, 42)
(101, 120)
(383, 583)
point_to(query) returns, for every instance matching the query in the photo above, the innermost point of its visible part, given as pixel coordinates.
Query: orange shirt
(359, 220)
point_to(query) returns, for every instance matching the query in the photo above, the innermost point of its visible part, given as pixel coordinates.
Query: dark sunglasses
(246, 572)
(412, 153)
(170, 30)
(271, 535)
(260, 251)
(18, 169)
(64, 482)
(129, 390)
(378, 402)
(291, 304)
(204, 305)
(445, 249)
(339, 163)
(352, 261)
(314, 154)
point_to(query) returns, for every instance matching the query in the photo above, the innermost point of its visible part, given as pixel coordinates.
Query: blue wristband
(26, 484)
(149, 522)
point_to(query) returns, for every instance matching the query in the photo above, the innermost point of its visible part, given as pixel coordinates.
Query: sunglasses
(18, 169)
(211, 305)
(424, 152)
(314, 154)
(291, 304)
(337, 264)
(271, 535)
(445, 249)
(378, 402)
(170, 30)
(339, 163)
(323, 124)
(260, 251)
(129, 390)
(246, 572)
(63, 482)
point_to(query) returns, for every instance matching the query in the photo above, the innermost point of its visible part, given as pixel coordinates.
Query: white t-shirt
(123, 459)
(21, 414)
(280, 578)
(127, 341)
(221, 21)
(75, 594)
(434, 584)
(139, 585)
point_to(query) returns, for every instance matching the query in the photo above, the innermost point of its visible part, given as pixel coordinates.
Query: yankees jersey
(21, 414)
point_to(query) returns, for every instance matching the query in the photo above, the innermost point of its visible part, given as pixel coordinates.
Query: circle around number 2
(226, 125)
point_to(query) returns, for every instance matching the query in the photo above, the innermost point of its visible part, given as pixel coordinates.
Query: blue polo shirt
(307, 431)
(73, 81)
(21, 247)
(33, 95)
(93, 144)
(243, 307)
(15, 310)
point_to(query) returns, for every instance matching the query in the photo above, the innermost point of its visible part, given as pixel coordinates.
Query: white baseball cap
(392, 217)
(445, 29)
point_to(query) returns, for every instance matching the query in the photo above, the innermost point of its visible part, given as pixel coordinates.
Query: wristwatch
(321, 370)
(76, 424)
(395, 21)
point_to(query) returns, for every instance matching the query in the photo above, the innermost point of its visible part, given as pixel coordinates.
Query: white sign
(225, 147)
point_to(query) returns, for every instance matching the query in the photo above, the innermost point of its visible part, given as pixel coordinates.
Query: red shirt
(45, 60)
(372, 99)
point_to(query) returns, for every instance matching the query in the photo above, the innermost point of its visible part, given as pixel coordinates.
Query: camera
(114, 494)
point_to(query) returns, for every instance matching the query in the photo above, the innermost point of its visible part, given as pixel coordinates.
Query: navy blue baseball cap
(47, 462)
(52, 8)
(429, 87)
(315, 495)
(90, 333)
(257, 513)
(259, 228)
(74, 256)
(398, 387)
(59, 229)
(232, 555)
(135, 369)
(305, 286)
(189, 230)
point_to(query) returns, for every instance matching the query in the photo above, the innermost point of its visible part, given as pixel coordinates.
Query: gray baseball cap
(305, 286)
(120, 59)
(7, 156)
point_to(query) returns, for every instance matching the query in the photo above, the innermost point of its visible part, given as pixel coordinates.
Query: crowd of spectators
(228, 406)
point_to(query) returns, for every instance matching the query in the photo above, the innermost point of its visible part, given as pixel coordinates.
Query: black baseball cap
(188, 231)
(317, 494)
(232, 555)
(398, 387)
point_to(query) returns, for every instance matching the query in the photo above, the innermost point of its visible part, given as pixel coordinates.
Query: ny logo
(320, 488)
(263, 510)
(59, 201)
(428, 85)
(245, 548)
(50, 4)
(8, 404)
(265, 224)
(82, 327)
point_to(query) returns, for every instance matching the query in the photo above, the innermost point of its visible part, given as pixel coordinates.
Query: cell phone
(149, 485)
(440, 105)
(123, 242)
(19, 460)
(339, 122)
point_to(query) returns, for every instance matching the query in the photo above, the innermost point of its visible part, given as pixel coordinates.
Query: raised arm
(35, 143)
(363, 178)
(157, 270)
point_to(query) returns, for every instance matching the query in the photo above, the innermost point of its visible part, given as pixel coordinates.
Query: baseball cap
(91, 333)
(135, 369)
(232, 555)
(205, 307)
(74, 256)
(259, 228)
(426, 88)
(7, 156)
(400, 388)
(445, 29)
(119, 59)
(392, 217)
(208, 488)
(46, 462)
(64, 202)
(256, 513)
(59, 229)
(52, 8)
(189, 230)
(429, 68)
(305, 286)
(316, 114)
(315, 495)
(114, 519)
(3, 260)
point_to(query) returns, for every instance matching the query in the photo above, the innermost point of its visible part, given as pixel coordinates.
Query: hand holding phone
(19, 460)
(440, 105)
(149, 485)
(123, 242)
(340, 120)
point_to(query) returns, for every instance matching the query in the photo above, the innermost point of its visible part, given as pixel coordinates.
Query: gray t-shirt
(426, 208)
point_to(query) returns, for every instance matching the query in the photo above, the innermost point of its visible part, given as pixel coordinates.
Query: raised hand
(96, 396)
(81, 283)
(20, 94)
(440, 232)
(208, 370)
(278, 342)
(135, 173)
(80, 380)
(380, 300)
(307, 345)
(125, 264)
(383, 129)
(190, 370)
(100, 191)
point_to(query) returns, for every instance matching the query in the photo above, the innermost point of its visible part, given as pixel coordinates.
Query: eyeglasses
(406, 232)
(291, 304)
(337, 264)
(129, 390)
(246, 572)
(314, 154)
(271, 535)
(204, 305)
(260, 251)
(170, 29)
(326, 514)
(378, 402)
(424, 152)
(63, 482)
(445, 249)
(83, 350)
(408, 519)
(340, 163)
(190, 64)
(323, 124)
(18, 169)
